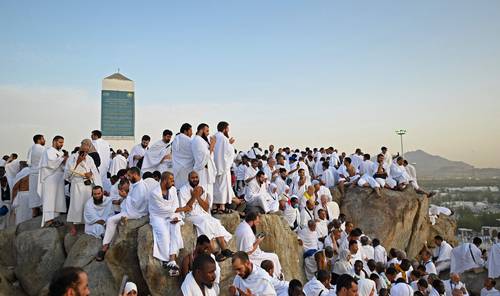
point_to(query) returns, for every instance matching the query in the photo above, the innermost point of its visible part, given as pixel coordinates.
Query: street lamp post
(400, 133)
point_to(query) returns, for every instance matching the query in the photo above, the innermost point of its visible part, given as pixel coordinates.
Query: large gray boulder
(8, 246)
(121, 257)
(39, 254)
(399, 218)
(82, 254)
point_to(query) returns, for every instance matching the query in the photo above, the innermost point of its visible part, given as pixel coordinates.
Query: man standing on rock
(34, 155)
(134, 206)
(166, 222)
(51, 182)
(224, 158)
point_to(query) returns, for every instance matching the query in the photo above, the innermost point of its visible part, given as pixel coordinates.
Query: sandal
(220, 258)
(214, 212)
(100, 256)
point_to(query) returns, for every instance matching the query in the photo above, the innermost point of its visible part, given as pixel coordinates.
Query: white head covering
(272, 187)
(129, 286)
(365, 287)
(342, 265)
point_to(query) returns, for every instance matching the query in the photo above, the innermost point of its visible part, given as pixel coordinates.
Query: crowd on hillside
(197, 176)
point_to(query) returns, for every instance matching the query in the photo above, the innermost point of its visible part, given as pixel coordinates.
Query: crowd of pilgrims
(197, 177)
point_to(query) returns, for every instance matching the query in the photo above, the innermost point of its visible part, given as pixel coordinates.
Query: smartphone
(261, 234)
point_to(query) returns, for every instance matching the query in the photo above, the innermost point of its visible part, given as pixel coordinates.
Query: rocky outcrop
(8, 247)
(82, 254)
(398, 219)
(39, 254)
(122, 259)
(474, 281)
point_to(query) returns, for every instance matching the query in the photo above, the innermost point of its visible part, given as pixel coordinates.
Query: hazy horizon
(286, 73)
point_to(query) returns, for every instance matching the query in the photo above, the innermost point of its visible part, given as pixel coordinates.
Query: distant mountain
(435, 166)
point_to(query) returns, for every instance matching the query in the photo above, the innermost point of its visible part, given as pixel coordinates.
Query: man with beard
(34, 155)
(194, 196)
(137, 153)
(203, 246)
(103, 149)
(51, 182)
(82, 172)
(203, 153)
(246, 241)
(97, 210)
(256, 194)
(182, 155)
(250, 279)
(224, 158)
(159, 156)
(134, 206)
(166, 222)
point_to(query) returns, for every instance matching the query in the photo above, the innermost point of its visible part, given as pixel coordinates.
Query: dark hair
(345, 281)
(97, 133)
(147, 175)
(57, 138)
(201, 126)
(121, 173)
(259, 173)
(423, 283)
(439, 286)
(201, 260)
(167, 132)
(374, 276)
(438, 237)
(146, 138)
(477, 241)
(375, 242)
(366, 156)
(295, 288)
(37, 137)
(185, 127)
(364, 240)
(348, 159)
(251, 216)
(355, 232)
(267, 265)
(62, 280)
(240, 255)
(157, 174)
(405, 264)
(222, 125)
(96, 187)
(391, 270)
(135, 171)
(352, 242)
(202, 239)
(322, 275)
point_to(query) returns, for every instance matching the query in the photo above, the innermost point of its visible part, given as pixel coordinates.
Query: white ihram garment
(223, 157)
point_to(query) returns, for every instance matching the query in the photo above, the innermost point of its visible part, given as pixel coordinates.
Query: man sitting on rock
(166, 222)
(348, 175)
(454, 283)
(195, 196)
(246, 241)
(97, 210)
(135, 206)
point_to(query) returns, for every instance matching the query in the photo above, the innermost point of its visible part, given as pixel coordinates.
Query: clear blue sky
(330, 72)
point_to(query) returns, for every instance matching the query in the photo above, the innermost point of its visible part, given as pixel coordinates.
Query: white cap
(129, 286)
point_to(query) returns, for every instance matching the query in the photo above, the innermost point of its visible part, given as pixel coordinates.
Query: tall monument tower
(118, 111)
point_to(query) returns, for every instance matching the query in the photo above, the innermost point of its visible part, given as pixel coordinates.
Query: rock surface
(39, 254)
(8, 246)
(399, 219)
